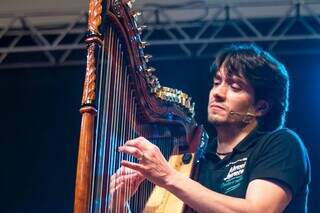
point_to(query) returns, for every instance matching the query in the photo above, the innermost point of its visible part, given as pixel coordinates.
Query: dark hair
(267, 76)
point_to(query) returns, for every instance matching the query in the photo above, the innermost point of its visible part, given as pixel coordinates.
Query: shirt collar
(244, 144)
(249, 140)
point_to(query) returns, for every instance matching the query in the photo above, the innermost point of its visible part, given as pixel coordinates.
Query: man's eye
(216, 83)
(236, 86)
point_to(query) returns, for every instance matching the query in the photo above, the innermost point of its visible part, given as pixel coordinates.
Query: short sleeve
(283, 159)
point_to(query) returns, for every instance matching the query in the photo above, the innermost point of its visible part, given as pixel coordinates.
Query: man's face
(229, 93)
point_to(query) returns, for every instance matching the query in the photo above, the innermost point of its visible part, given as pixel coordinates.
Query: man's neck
(230, 136)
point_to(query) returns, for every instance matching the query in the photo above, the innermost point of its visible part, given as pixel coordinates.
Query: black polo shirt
(278, 156)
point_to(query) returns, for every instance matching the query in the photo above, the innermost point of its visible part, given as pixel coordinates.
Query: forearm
(204, 200)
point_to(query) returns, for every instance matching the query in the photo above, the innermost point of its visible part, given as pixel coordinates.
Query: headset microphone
(246, 117)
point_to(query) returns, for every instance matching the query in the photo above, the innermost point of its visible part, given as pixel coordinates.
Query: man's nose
(219, 92)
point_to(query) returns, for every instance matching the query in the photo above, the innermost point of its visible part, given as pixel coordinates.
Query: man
(254, 164)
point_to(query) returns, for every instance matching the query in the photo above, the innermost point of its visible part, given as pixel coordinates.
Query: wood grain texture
(84, 165)
(89, 83)
(94, 18)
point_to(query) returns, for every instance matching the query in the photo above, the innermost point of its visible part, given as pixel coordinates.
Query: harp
(123, 99)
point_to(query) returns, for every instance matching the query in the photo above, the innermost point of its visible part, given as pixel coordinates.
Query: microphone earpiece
(246, 117)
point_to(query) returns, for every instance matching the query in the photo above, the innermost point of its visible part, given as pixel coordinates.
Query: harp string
(117, 130)
(102, 124)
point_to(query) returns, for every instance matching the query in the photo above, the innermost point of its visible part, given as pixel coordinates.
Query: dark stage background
(40, 126)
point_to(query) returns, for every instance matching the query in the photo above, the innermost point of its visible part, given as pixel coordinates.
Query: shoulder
(284, 143)
(285, 139)
(283, 158)
(285, 132)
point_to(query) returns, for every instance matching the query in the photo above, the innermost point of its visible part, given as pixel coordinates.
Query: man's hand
(123, 184)
(152, 164)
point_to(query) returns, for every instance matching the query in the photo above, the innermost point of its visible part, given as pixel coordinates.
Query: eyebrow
(239, 78)
(233, 77)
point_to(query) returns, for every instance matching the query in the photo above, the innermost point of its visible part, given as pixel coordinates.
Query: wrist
(173, 180)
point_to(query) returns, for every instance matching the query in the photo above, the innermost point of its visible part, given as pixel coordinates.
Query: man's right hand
(123, 184)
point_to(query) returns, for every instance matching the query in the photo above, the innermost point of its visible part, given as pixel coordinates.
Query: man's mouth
(219, 107)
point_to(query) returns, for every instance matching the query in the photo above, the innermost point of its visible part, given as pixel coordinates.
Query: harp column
(88, 112)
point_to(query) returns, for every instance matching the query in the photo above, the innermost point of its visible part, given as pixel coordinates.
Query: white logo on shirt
(236, 169)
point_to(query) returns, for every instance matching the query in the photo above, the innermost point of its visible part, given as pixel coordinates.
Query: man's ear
(262, 107)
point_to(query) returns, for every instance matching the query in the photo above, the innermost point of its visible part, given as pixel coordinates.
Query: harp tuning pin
(147, 58)
(136, 14)
(150, 69)
(129, 3)
(143, 44)
(141, 28)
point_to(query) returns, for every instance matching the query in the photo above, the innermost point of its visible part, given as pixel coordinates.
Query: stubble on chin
(215, 120)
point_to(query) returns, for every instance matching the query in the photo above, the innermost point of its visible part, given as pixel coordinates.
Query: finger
(139, 142)
(128, 179)
(135, 166)
(127, 185)
(116, 180)
(121, 171)
(131, 151)
(116, 188)
(120, 189)
(133, 142)
(117, 177)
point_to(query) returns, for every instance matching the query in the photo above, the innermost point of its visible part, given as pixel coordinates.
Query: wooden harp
(123, 99)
